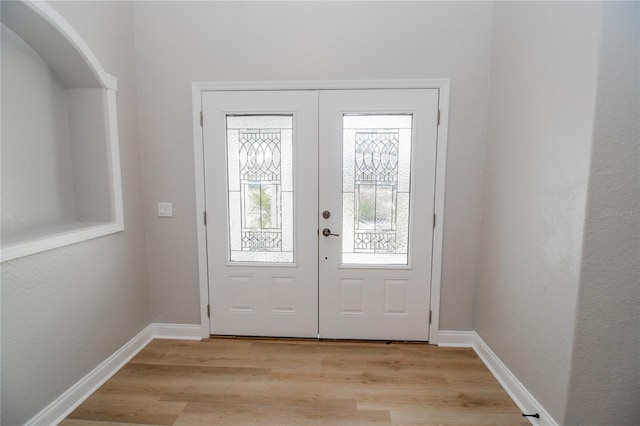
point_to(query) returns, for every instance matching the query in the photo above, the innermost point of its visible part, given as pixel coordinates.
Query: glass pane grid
(255, 146)
(376, 166)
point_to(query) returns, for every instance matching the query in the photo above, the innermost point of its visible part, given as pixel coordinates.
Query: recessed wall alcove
(60, 159)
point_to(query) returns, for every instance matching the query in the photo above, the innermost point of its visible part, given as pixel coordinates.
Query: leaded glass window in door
(260, 188)
(376, 183)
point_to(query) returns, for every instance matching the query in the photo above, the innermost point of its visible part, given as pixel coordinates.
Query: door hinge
(202, 120)
(434, 220)
(208, 311)
(205, 217)
(438, 117)
(430, 315)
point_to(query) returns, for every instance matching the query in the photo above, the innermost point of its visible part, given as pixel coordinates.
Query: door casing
(443, 86)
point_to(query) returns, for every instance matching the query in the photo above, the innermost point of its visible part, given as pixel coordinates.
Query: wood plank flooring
(298, 382)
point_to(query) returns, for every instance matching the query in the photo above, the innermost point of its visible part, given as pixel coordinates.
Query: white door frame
(443, 85)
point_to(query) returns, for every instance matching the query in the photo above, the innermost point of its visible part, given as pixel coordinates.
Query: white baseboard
(55, 412)
(516, 390)
(177, 331)
(456, 339)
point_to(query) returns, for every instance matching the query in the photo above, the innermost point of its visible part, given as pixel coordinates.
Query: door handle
(326, 232)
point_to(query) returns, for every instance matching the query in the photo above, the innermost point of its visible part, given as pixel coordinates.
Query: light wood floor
(287, 382)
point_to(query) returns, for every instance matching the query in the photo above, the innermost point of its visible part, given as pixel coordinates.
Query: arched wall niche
(60, 159)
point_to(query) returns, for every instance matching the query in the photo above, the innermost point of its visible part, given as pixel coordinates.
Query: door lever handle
(326, 232)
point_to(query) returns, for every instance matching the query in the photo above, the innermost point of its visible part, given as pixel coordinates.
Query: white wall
(66, 310)
(544, 66)
(604, 385)
(35, 137)
(178, 43)
(89, 149)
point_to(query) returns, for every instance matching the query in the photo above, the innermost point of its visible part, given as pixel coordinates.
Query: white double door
(284, 168)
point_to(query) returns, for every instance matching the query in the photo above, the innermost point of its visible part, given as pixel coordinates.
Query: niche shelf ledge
(80, 148)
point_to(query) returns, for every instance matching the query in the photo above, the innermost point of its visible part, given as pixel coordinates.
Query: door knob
(326, 232)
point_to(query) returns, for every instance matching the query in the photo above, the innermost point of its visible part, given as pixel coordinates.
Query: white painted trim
(201, 206)
(321, 85)
(438, 208)
(58, 22)
(52, 241)
(443, 85)
(176, 331)
(111, 111)
(56, 412)
(110, 82)
(516, 390)
(67, 234)
(457, 339)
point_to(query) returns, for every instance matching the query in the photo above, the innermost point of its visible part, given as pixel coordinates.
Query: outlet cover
(165, 209)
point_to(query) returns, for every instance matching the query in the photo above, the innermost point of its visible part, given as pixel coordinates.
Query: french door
(261, 180)
(319, 212)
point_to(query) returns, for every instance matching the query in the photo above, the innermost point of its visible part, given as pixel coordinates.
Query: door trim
(443, 86)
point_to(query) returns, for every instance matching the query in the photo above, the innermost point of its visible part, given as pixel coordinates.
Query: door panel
(377, 162)
(261, 212)
(337, 251)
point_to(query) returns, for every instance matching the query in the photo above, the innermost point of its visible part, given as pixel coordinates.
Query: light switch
(165, 209)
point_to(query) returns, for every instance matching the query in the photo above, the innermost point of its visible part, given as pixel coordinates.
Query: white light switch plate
(165, 209)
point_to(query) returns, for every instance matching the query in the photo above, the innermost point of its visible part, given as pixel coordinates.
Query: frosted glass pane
(235, 224)
(402, 223)
(404, 161)
(348, 155)
(287, 222)
(261, 257)
(287, 159)
(233, 163)
(376, 188)
(376, 121)
(260, 188)
(259, 122)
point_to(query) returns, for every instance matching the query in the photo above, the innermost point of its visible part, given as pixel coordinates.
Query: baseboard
(55, 412)
(177, 331)
(516, 390)
(456, 339)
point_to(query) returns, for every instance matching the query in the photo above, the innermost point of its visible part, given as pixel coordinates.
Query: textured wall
(563, 119)
(542, 99)
(179, 43)
(605, 372)
(30, 89)
(65, 311)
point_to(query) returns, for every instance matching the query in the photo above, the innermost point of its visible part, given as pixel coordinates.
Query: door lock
(326, 214)
(326, 232)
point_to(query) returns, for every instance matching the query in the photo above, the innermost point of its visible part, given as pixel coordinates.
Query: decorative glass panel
(376, 182)
(260, 188)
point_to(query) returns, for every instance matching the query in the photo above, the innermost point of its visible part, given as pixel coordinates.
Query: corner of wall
(604, 385)
(535, 185)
